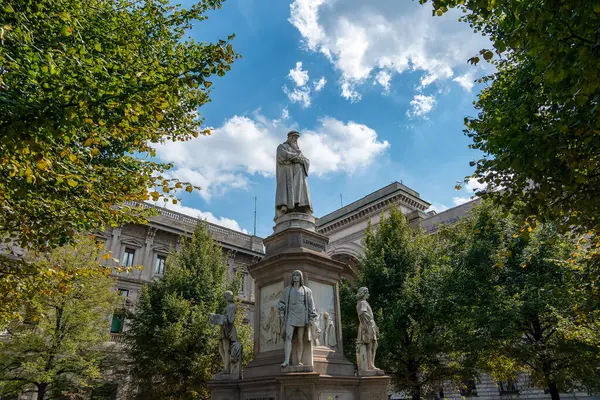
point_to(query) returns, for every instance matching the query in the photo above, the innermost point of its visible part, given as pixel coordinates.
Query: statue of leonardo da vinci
(292, 194)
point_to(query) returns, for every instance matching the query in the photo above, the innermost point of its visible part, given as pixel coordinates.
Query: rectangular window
(469, 389)
(243, 286)
(127, 259)
(123, 292)
(159, 265)
(116, 325)
(509, 387)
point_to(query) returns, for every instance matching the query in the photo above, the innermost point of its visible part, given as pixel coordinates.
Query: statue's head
(228, 295)
(362, 294)
(293, 136)
(326, 315)
(297, 277)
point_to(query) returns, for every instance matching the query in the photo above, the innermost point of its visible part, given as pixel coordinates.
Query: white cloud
(466, 81)
(460, 200)
(320, 84)
(362, 38)
(338, 146)
(302, 92)
(244, 146)
(349, 93)
(473, 185)
(297, 75)
(299, 95)
(421, 105)
(285, 114)
(384, 79)
(208, 216)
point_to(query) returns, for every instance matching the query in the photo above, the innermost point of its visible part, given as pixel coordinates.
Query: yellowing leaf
(71, 183)
(189, 188)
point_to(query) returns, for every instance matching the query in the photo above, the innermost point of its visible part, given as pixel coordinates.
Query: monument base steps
(302, 386)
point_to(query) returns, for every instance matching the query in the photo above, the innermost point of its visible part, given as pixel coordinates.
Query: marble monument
(298, 322)
(366, 342)
(230, 348)
(292, 194)
(297, 313)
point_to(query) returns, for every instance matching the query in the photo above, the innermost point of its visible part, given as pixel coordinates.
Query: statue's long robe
(292, 188)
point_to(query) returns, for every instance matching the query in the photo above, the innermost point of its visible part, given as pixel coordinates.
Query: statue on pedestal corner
(297, 314)
(230, 348)
(292, 194)
(368, 333)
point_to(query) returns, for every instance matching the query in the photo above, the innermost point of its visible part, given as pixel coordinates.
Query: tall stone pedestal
(296, 245)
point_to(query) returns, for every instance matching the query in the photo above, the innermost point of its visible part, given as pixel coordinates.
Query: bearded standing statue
(292, 194)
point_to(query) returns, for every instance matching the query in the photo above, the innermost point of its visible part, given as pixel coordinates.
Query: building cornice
(371, 209)
(181, 224)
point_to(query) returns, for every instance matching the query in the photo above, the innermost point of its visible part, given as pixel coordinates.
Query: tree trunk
(553, 391)
(41, 393)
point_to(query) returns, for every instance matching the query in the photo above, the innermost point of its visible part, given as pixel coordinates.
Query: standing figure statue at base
(297, 314)
(230, 348)
(366, 343)
(292, 193)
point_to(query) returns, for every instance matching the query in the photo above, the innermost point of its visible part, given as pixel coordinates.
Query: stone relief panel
(324, 300)
(270, 322)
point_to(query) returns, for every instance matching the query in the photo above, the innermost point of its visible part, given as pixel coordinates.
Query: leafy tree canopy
(539, 122)
(86, 89)
(525, 298)
(59, 349)
(173, 347)
(410, 287)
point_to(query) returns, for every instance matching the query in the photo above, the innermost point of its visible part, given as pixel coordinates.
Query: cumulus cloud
(384, 79)
(245, 146)
(299, 76)
(299, 95)
(466, 81)
(421, 105)
(320, 84)
(473, 185)
(302, 92)
(363, 38)
(349, 93)
(205, 215)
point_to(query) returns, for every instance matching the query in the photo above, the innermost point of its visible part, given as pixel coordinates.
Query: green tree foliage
(173, 347)
(520, 291)
(59, 350)
(419, 343)
(86, 89)
(539, 122)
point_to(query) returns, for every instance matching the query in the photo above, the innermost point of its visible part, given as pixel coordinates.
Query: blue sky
(378, 91)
